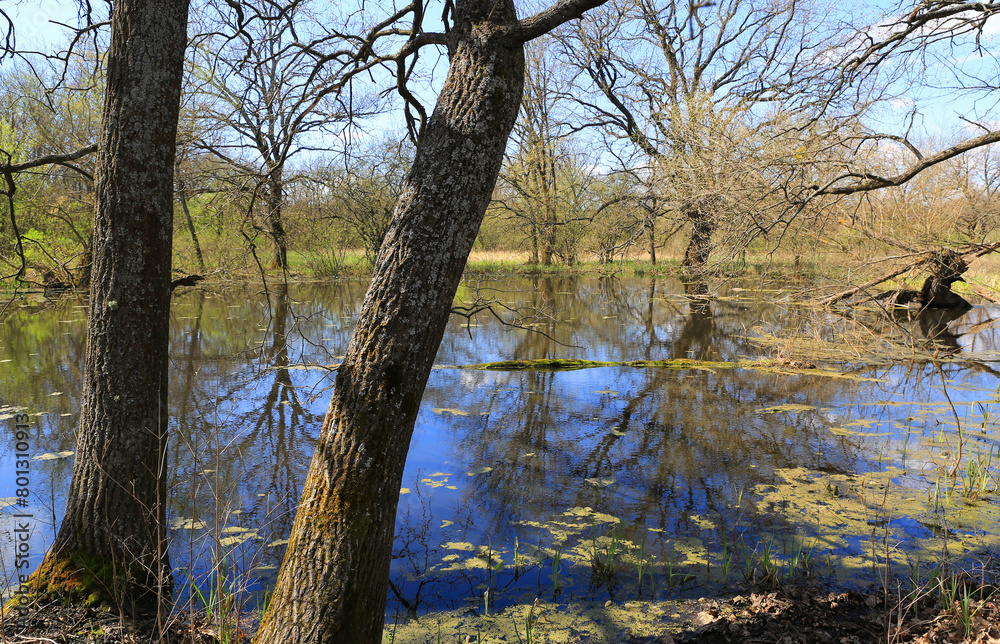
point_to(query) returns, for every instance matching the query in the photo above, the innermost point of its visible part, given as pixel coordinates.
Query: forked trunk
(111, 545)
(333, 583)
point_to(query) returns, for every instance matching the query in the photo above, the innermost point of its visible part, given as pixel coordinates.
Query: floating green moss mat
(789, 367)
(561, 364)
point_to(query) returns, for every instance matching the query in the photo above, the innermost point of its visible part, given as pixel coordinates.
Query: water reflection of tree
(689, 436)
(245, 419)
(43, 350)
(682, 445)
(679, 443)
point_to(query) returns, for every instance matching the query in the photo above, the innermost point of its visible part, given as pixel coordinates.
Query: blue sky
(35, 21)
(940, 104)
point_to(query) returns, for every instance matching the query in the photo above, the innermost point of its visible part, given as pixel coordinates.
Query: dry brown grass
(983, 278)
(504, 256)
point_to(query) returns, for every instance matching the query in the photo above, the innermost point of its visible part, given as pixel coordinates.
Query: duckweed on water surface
(878, 525)
(554, 623)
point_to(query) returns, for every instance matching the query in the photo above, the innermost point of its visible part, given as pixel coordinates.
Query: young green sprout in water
(556, 558)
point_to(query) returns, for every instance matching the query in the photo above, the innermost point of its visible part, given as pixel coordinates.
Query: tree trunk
(533, 258)
(111, 545)
(82, 280)
(549, 239)
(652, 240)
(275, 186)
(333, 583)
(547, 190)
(699, 247)
(936, 291)
(182, 197)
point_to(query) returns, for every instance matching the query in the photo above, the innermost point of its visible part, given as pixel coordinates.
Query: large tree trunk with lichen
(333, 582)
(111, 544)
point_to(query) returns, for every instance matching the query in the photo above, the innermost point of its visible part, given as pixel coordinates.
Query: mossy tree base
(82, 580)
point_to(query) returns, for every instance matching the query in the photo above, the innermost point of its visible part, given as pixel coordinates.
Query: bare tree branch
(52, 159)
(9, 40)
(867, 181)
(555, 15)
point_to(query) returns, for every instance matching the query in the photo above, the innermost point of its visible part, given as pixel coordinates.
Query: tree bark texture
(275, 187)
(699, 248)
(111, 544)
(333, 582)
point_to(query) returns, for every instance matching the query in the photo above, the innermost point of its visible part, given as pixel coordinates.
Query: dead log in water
(946, 266)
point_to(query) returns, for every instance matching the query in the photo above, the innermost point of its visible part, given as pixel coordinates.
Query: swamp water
(732, 463)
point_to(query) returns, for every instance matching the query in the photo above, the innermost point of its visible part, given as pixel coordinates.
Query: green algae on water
(873, 519)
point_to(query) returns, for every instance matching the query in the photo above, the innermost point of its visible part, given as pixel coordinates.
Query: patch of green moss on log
(687, 363)
(559, 364)
(540, 365)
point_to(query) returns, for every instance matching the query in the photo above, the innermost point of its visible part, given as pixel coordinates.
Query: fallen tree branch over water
(940, 257)
(843, 295)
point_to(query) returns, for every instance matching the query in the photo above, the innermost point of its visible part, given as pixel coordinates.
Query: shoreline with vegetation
(833, 267)
(832, 271)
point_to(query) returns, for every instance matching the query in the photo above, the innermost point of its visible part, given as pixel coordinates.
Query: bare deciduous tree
(333, 582)
(359, 189)
(717, 107)
(269, 100)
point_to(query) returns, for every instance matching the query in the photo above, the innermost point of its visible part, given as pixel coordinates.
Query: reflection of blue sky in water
(499, 455)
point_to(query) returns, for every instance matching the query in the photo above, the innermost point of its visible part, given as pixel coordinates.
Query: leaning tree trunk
(333, 582)
(111, 544)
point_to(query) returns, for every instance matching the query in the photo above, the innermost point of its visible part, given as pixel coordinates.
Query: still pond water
(590, 483)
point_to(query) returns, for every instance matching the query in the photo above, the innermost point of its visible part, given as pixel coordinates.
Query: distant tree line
(662, 130)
